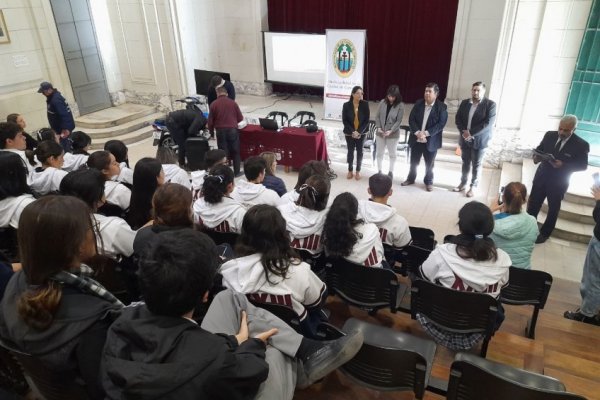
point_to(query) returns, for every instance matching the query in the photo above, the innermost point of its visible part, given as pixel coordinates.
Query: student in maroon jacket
(223, 118)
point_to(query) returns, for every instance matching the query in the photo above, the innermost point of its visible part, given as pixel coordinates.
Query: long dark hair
(476, 223)
(144, 185)
(80, 140)
(215, 183)
(118, 149)
(264, 232)
(309, 169)
(46, 150)
(394, 91)
(314, 194)
(85, 184)
(13, 175)
(339, 236)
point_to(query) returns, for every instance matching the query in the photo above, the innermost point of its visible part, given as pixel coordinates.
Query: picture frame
(4, 36)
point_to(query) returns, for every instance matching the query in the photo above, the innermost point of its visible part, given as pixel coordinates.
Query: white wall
(32, 56)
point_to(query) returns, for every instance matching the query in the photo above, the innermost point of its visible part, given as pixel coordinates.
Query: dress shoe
(578, 316)
(541, 239)
(332, 355)
(357, 176)
(406, 183)
(459, 188)
(470, 193)
(429, 188)
(350, 175)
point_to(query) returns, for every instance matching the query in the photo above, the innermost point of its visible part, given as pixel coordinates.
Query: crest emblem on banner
(344, 58)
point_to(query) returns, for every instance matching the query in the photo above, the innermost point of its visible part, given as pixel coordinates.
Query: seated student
(344, 235)
(173, 172)
(18, 119)
(115, 236)
(515, 231)
(80, 145)
(156, 350)
(215, 209)
(118, 149)
(115, 193)
(309, 169)
(15, 194)
(271, 181)
(147, 176)
(305, 218)
(393, 228)
(471, 263)
(46, 179)
(12, 139)
(50, 309)
(212, 158)
(172, 210)
(250, 191)
(267, 269)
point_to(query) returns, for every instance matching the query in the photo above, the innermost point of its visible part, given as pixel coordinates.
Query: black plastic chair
(369, 142)
(422, 237)
(455, 311)
(475, 378)
(222, 237)
(316, 262)
(390, 360)
(527, 287)
(310, 116)
(367, 288)
(278, 114)
(403, 143)
(284, 313)
(411, 258)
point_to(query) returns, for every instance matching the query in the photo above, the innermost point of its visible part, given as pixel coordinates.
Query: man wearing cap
(60, 116)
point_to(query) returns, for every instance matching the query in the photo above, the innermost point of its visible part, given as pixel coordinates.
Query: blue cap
(45, 86)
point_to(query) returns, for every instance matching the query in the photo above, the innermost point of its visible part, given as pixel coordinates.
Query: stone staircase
(130, 123)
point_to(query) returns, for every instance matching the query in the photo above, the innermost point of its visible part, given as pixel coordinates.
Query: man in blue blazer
(569, 154)
(475, 120)
(427, 120)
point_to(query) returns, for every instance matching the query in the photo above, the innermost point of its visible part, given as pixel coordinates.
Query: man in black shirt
(183, 124)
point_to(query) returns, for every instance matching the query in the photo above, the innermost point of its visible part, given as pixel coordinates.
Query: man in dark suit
(551, 180)
(427, 120)
(475, 120)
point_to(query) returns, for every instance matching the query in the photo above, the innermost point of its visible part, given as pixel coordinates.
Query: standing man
(60, 116)
(215, 82)
(475, 121)
(183, 124)
(427, 120)
(569, 153)
(223, 118)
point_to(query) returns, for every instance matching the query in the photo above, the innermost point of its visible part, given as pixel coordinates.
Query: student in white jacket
(173, 172)
(307, 170)
(305, 218)
(115, 236)
(349, 237)
(15, 194)
(250, 191)
(393, 228)
(267, 270)
(215, 209)
(80, 145)
(46, 179)
(471, 263)
(13, 140)
(119, 149)
(114, 192)
(212, 158)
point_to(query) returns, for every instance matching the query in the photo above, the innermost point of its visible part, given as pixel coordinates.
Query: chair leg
(484, 347)
(530, 330)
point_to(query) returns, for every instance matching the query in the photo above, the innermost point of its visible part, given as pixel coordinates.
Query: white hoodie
(126, 174)
(251, 194)
(117, 194)
(197, 182)
(393, 228)
(74, 161)
(304, 226)
(291, 196)
(47, 180)
(175, 174)
(225, 216)
(117, 236)
(11, 209)
(368, 250)
(300, 290)
(452, 271)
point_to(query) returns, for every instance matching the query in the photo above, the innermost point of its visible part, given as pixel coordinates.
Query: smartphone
(500, 195)
(596, 176)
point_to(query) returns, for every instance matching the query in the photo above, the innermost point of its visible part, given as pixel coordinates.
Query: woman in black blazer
(355, 115)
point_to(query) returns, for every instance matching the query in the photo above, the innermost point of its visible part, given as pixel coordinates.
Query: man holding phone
(551, 179)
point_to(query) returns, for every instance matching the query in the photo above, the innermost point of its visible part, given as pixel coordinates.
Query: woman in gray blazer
(388, 121)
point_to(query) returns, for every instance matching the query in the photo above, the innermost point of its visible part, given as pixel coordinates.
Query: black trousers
(417, 151)
(471, 160)
(179, 135)
(228, 139)
(542, 188)
(352, 145)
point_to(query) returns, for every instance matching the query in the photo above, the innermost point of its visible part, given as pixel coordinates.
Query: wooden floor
(563, 349)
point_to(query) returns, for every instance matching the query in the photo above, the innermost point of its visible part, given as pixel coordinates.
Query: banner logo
(344, 58)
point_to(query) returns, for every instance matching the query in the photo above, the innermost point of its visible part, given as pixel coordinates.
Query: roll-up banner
(345, 68)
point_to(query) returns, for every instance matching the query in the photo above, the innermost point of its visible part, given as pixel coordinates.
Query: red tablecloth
(295, 145)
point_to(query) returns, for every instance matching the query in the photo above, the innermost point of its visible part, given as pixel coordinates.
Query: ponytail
(215, 184)
(38, 305)
(515, 195)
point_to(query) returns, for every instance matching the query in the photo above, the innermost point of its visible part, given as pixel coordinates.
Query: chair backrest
(282, 115)
(365, 287)
(389, 359)
(309, 122)
(372, 130)
(284, 313)
(222, 237)
(526, 286)
(310, 116)
(472, 377)
(406, 130)
(411, 257)
(422, 237)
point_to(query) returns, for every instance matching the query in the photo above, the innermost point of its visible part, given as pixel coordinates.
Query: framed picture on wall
(4, 38)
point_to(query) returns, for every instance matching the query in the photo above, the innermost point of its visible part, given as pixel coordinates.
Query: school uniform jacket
(175, 174)
(117, 194)
(368, 250)
(251, 194)
(11, 209)
(47, 180)
(305, 226)
(74, 161)
(116, 234)
(224, 216)
(126, 174)
(393, 228)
